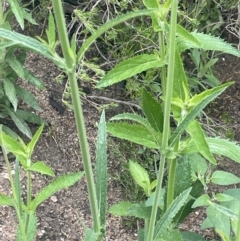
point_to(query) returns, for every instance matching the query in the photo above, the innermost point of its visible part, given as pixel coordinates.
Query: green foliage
(27, 221)
(101, 168)
(11, 67)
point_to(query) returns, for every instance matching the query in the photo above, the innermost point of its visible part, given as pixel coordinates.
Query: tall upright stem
(167, 110)
(71, 71)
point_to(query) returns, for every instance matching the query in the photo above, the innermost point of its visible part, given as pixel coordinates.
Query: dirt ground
(60, 218)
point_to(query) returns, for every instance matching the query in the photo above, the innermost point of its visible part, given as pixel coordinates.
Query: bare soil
(60, 218)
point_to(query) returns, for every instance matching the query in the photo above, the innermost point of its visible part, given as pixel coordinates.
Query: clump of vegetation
(11, 68)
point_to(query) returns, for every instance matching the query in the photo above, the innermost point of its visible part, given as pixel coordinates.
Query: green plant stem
(238, 227)
(171, 175)
(71, 67)
(163, 69)
(17, 205)
(167, 109)
(29, 194)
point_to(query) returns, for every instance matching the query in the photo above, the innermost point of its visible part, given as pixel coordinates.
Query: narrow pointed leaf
(58, 184)
(27, 97)
(140, 176)
(196, 110)
(29, 117)
(18, 12)
(10, 92)
(32, 143)
(42, 168)
(152, 110)
(168, 216)
(137, 118)
(180, 84)
(130, 67)
(207, 42)
(16, 66)
(186, 35)
(101, 168)
(33, 79)
(51, 29)
(198, 136)
(20, 123)
(32, 44)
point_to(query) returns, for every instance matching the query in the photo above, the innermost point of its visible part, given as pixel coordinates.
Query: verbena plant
(11, 68)
(178, 146)
(165, 208)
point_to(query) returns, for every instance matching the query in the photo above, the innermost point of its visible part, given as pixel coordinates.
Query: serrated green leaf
(41, 168)
(132, 132)
(139, 119)
(186, 35)
(58, 184)
(10, 92)
(6, 200)
(168, 216)
(139, 210)
(120, 209)
(28, 17)
(183, 179)
(17, 11)
(13, 146)
(33, 79)
(30, 117)
(180, 83)
(198, 136)
(196, 110)
(224, 178)
(101, 168)
(32, 44)
(207, 42)
(27, 97)
(152, 110)
(130, 67)
(16, 66)
(140, 176)
(20, 123)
